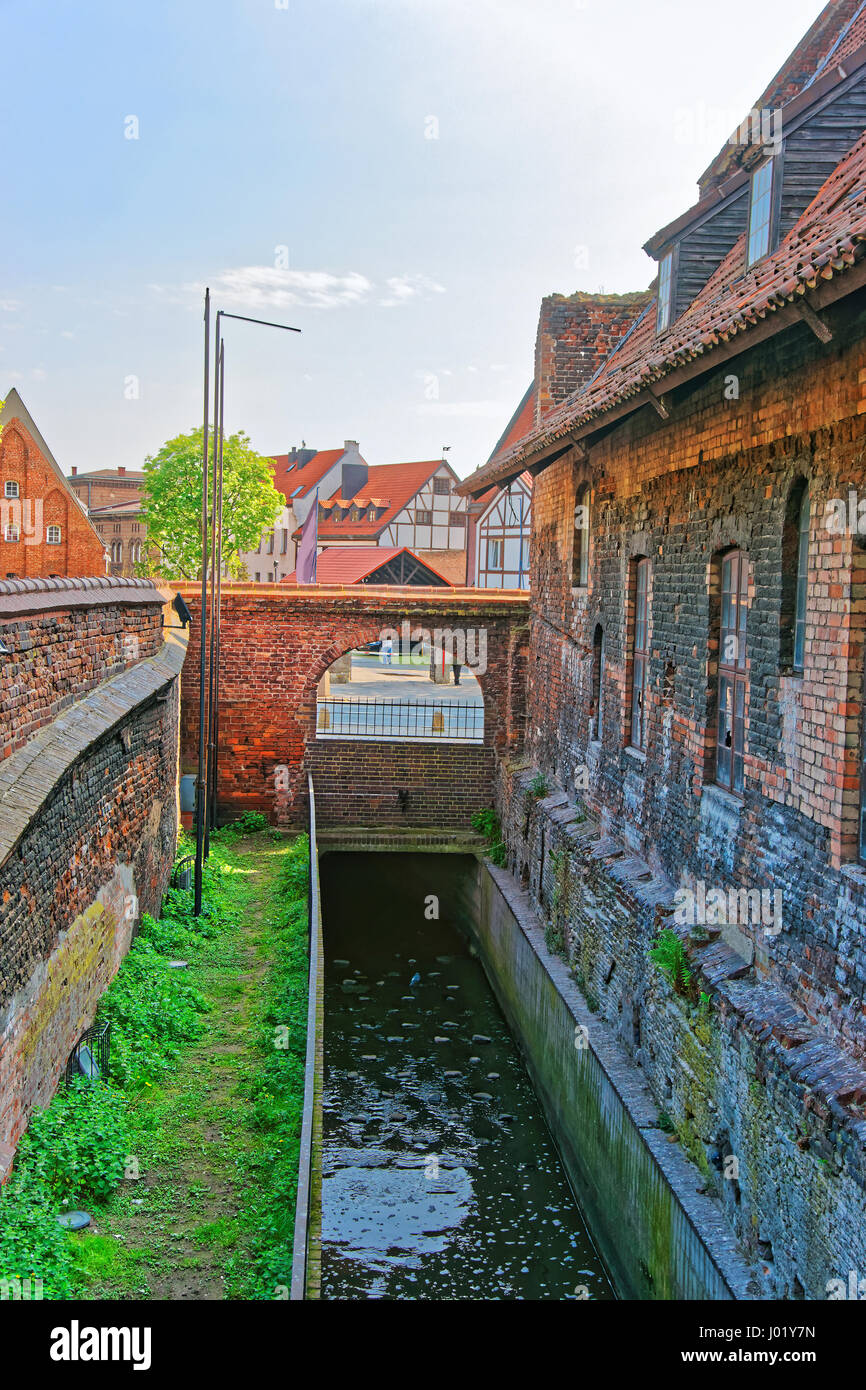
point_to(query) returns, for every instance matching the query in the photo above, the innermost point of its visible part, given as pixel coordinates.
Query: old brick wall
(57, 654)
(770, 1069)
(400, 784)
(277, 643)
(795, 826)
(87, 836)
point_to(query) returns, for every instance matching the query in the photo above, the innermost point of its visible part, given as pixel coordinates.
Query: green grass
(187, 1158)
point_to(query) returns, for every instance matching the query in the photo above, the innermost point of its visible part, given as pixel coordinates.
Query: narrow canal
(441, 1179)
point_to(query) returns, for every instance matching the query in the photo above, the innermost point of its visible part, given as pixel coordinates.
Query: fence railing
(442, 720)
(308, 1215)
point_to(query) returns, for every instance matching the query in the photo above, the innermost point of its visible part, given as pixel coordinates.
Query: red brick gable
(44, 500)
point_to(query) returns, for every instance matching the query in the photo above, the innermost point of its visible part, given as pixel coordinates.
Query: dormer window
(666, 288)
(760, 212)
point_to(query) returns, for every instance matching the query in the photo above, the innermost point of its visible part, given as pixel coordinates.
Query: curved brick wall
(65, 636)
(87, 835)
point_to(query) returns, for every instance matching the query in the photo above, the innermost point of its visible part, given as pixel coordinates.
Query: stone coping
(19, 596)
(30, 775)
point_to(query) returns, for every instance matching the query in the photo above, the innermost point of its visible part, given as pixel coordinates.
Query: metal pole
(200, 780)
(208, 820)
(219, 585)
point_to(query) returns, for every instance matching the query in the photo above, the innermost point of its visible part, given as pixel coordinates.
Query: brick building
(695, 704)
(112, 497)
(44, 528)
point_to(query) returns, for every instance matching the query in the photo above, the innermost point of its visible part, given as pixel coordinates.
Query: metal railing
(308, 1214)
(449, 721)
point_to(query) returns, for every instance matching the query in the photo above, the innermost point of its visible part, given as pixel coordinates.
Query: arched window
(597, 682)
(802, 583)
(733, 677)
(117, 552)
(640, 652)
(580, 550)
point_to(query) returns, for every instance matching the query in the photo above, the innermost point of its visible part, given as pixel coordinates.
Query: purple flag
(305, 565)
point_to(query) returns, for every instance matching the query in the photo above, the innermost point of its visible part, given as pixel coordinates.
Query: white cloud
(402, 288)
(262, 287)
(9, 306)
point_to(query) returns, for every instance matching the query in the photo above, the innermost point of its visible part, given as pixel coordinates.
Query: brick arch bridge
(277, 642)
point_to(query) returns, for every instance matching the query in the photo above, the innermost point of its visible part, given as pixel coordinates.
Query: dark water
(441, 1180)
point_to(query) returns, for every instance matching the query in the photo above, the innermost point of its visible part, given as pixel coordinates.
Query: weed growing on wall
(488, 823)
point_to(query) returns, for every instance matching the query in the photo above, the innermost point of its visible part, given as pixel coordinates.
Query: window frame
(48, 538)
(640, 653)
(580, 547)
(801, 591)
(495, 566)
(733, 674)
(774, 163)
(598, 662)
(8, 494)
(670, 259)
(12, 526)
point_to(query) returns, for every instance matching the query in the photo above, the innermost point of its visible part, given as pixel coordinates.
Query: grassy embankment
(186, 1159)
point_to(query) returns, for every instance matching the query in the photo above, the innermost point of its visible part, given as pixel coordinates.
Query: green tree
(171, 503)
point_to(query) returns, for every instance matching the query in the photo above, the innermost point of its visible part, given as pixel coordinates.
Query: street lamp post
(200, 779)
(208, 705)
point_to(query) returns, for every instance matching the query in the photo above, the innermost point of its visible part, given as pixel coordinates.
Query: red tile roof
(286, 479)
(351, 564)
(394, 484)
(824, 243)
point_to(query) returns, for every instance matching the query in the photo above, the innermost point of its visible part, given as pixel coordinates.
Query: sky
(403, 180)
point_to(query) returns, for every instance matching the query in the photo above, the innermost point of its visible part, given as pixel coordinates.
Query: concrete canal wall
(659, 1235)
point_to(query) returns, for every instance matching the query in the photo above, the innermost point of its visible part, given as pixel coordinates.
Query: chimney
(575, 334)
(74, 470)
(121, 472)
(354, 476)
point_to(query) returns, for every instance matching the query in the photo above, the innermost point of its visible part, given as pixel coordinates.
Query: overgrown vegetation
(538, 788)
(488, 823)
(214, 1042)
(669, 954)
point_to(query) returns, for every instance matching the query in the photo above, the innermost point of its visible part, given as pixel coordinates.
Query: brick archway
(276, 645)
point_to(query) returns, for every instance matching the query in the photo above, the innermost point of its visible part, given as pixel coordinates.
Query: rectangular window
(457, 519)
(494, 554)
(271, 543)
(423, 518)
(760, 212)
(441, 487)
(802, 584)
(666, 278)
(640, 656)
(53, 535)
(733, 678)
